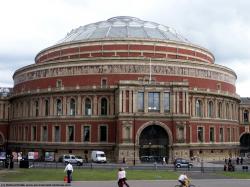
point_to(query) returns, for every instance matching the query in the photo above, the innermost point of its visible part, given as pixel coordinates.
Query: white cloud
(223, 27)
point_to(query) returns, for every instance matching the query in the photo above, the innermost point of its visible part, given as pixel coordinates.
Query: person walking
(163, 160)
(69, 170)
(241, 160)
(122, 177)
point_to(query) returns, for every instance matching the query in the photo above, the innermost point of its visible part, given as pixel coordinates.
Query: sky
(221, 26)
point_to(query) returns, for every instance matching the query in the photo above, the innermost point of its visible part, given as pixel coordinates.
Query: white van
(98, 156)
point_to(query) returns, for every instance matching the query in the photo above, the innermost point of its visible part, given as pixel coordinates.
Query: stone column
(130, 101)
(112, 105)
(64, 106)
(177, 96)
(51, 106)
(187, 102)
(223, 109)
(205, 107)
(183, 102)
(41, 107)
(120, 101)
(124, 101)
(95, 109)
(173, 102)
(215, 109)
(146, 101)
(134, 101)
(193, 106)
(161, 102)
(79, 105)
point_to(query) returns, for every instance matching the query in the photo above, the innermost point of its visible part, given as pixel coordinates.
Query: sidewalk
(144, 183)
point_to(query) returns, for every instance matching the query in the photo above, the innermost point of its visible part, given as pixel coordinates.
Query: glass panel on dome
(71, 37)
(135, 24)
(170, 36)
(136, 32)
(154, 33)
(91, 25)
(150, 25)
(117, 32)
(85, 33)
(104, 24)
(118, 24)
(99, 33)
(163, 28)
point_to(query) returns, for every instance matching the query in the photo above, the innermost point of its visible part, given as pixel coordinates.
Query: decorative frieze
(162, 69)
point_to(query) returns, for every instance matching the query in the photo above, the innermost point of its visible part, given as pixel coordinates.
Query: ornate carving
(168, 69)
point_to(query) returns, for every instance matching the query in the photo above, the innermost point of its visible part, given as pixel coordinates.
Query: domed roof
(123, 27)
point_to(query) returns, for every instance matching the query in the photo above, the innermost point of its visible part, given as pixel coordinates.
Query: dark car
(151, 158)
(182, 163)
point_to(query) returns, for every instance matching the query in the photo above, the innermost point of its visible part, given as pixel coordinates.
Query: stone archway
(245, 143)
(154, 140)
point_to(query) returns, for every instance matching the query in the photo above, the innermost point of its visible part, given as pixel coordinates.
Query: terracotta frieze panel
(164, 69)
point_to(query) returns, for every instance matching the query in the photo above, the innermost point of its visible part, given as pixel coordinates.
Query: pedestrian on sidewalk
(69, 170)
(164, 160)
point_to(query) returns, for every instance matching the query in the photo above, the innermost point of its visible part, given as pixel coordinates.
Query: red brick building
(130, 87)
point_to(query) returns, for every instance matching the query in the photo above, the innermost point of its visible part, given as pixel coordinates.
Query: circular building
(135, 89)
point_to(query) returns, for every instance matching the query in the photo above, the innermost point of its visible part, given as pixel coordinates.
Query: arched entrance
(153, 144)
(245, 143)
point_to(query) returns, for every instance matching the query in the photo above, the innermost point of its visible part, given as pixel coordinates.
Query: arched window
(88, 109)
(46, 112)
(104, 106)
(245, 116)
(210, 109)
(219, 110)
(200, 134)
(72, 107)
(198, 107)
(36, 108)
(58, 107)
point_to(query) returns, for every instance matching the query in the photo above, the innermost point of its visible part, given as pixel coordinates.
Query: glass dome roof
(123, 27)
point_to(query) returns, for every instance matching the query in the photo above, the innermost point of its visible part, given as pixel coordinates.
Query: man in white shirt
(183, 179)
(122, 177)
(69, 170)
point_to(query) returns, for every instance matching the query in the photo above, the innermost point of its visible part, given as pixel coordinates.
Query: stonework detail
(166, 69)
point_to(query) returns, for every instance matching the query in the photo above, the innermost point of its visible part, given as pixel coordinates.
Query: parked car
(182, 163)
(151, 158)
(71, 159)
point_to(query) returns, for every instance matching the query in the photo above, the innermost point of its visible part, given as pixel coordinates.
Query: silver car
(72, 159)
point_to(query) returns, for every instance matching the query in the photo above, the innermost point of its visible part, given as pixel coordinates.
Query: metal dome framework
(123, 27)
